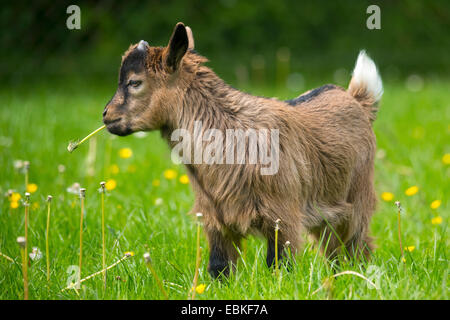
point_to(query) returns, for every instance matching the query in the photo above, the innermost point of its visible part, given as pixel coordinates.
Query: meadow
(148, 198)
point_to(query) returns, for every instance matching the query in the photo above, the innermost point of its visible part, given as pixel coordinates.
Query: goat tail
(366, 85)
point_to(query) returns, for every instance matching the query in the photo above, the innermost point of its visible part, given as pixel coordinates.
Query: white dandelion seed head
(35, 254)
(21, 241)
(61, 168)
(74, 188)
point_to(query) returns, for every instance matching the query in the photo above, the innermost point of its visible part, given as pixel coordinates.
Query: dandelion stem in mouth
(74, 144)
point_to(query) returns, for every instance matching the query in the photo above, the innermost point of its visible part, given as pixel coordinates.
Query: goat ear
(177, 47)
(190, 38)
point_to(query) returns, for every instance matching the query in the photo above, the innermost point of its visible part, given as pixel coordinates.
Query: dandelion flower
(14, 204)
(184, 179)
(435, 204)
(111, 184)
(436, 220)
(129, 253)
(156, 183)
(410, 248)
(200, 288)
(387, 196)
(170, 174)
(32, 187)
(125, 153)
(35, 254)
(412, 190)
(14, 197)
(446, 158)
(403, 260)
(114, 169)
(35, 205)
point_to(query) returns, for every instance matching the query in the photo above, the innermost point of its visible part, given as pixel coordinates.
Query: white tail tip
(366, 74)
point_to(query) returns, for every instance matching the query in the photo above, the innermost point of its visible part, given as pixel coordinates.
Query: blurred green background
(55, 83)
(249, 43)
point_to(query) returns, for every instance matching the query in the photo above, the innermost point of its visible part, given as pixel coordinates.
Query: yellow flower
(156, 183)
(35, 205)
(436, 220)
(170, 174)
(200, 288)
(446, 158)
(412, 190)
(129, 253)
(387, 196)
(435, 204)
(114, 169)
(403, 260)
(184, 179)
(15, 197)
(111, 184)
(410, 248)
(125, 153)
(32, 187)
(14, 204)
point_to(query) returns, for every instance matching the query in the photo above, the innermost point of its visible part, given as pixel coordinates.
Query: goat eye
(134, 83)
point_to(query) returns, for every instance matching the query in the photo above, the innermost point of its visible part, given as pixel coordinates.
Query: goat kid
(324, 182)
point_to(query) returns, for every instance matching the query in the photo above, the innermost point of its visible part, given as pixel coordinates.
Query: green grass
(413, 132)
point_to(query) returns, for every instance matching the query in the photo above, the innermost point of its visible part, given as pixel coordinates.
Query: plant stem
(25, 273)
(276, 244)
(99, 272)
(197, 259)
(49, 200)
(148, 263)
(102, 184)
(82, 196)
(25, 249)
(399, 227)
(91, 134)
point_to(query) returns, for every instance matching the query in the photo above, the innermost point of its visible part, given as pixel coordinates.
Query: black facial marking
(310, 95)
(135, 61)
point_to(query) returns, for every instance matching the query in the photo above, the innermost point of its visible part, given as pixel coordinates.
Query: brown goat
(324, 183)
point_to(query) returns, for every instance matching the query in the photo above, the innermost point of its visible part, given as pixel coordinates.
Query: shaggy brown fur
(324, 184)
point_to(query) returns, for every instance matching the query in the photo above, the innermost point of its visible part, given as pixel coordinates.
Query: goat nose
(105, 111)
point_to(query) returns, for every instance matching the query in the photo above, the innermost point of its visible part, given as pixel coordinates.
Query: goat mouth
(108, 122)
(118, 128)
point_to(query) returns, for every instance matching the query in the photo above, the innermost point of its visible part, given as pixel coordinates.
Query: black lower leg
(218, 262)
(270, 258)
(222, 253)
